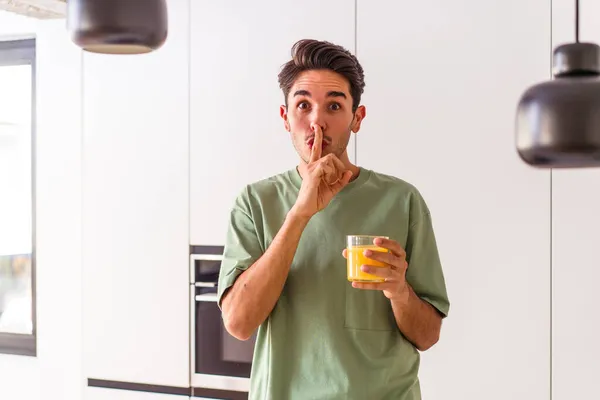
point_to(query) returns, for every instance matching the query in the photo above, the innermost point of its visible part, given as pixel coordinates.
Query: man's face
(321, 97)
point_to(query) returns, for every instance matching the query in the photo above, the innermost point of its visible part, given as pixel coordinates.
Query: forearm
(251, 299)
(418, 320)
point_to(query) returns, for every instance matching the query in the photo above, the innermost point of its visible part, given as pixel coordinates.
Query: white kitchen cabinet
(442, 84)
(135, 212)
(576, 272)
(56, 371)
(237, 135)
(94, 393)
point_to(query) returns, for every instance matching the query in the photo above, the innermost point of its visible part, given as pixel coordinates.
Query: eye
(335, 106)
(303, 105)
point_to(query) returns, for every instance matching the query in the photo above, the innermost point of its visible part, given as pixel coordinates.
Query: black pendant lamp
(558, 122)
(118, 26)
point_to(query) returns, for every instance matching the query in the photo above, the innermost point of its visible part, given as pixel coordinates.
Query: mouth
(310, 142)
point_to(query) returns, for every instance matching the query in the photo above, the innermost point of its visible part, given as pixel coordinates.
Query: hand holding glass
(356, 246)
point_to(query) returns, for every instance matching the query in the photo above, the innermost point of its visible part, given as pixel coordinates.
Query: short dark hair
(311, 54)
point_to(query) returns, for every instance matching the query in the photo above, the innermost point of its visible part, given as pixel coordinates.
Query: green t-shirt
(325, 339)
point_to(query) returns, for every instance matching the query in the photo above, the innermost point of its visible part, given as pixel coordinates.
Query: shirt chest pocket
(368, 310)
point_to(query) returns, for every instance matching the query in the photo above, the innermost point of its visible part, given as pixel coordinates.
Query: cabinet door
(135, 209)
(58, 272)
(442, 84)
(93, 393)
(576, 272)
(237, 135)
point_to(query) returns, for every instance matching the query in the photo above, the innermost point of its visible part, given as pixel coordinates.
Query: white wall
(500, 327)
(56, 371)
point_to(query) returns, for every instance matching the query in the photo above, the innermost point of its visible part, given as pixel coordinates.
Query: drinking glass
(356, 245)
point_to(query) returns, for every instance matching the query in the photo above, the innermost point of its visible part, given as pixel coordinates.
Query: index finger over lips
(316, 152)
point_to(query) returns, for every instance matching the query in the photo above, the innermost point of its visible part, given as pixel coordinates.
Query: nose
(313, 127)
(318, 118)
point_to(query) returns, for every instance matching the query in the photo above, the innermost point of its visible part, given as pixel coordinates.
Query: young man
(284, 267)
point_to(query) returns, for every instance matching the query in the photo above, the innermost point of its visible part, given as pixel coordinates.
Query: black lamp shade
(118, 26)
(558, 122)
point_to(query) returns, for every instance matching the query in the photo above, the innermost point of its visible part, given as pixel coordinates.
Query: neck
(343, 158)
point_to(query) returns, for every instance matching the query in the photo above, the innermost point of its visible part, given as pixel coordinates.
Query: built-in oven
(218, 360)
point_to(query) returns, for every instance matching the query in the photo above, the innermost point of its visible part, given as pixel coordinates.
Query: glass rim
(366, 236)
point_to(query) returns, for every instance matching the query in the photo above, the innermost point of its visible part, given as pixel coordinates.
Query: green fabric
(325, 339)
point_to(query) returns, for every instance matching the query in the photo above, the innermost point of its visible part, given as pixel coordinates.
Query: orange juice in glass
(356, 245)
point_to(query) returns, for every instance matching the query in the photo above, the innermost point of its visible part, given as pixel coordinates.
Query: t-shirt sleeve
(242, 245)
(424, 273)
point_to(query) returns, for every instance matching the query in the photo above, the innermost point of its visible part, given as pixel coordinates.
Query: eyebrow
(331, 93)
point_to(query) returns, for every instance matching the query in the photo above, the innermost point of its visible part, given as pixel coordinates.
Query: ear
(359, 115)
(284, 116)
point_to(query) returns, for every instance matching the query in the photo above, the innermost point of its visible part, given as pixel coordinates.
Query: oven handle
(210, 257)
(206, 284)
(207, 297)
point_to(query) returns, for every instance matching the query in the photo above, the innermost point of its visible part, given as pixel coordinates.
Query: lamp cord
(577, 21)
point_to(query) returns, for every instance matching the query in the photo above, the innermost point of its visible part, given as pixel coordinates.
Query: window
(17, 197)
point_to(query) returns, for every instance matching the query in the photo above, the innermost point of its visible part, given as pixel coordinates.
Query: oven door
(219, 360)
